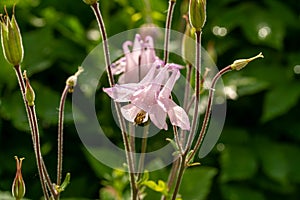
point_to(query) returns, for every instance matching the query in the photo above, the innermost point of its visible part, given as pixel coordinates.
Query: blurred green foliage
(257, 156)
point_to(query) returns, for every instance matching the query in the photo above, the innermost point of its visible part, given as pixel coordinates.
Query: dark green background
(261, 158)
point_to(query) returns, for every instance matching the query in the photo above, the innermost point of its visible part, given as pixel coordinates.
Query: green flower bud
(11, 40)
(72, 80)
(29, 92)
(18, 186)
(197, 13)
(241, 63)
(90, 2)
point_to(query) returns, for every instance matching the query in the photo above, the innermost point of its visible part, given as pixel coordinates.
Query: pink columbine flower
(150, 98)
(136, 63)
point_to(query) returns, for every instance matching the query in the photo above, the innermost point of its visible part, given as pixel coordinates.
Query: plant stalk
(129, 158)
(207, 112)
(168, 30)
(60, 133)
(197, 92)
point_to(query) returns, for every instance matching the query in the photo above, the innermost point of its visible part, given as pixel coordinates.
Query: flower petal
(129, 112)
(177, 115)
(122, 93)
(158, 117)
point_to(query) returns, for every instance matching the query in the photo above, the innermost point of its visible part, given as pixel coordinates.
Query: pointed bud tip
(11, 39)
(241, 63)
(18, 186)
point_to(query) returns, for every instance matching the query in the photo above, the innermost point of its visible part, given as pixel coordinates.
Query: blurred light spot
(136, 17)
(220, 147)
(219, 31)
(93, 34)
(37, 22)
(220, 100)
(264, 31)
(230, 92)
(297, 69)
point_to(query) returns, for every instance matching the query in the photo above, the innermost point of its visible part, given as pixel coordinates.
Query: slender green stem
(207, 112)
(34, 132)
(197, 92)
(168, 29)
(134, 190)
(60, 133)
(38, 151)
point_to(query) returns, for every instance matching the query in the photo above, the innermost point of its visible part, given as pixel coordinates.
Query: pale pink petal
(168, 87)
(158, 117)
(174, 66)
(129, 112)
(145, 98)
(177, 115)
(121, 93)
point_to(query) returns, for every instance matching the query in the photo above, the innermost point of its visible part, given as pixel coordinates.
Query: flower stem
(143, 151)
(207, 112)
(179, 176)
(129, 158)
(35, 135)
(197, 92)
(60, 133)
(168, 29)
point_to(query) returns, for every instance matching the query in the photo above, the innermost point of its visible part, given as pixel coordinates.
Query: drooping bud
(18, 186)
(188, 44)
(11, 40)
(197, 13)
(90, 2)
(72, 80)
(29, 92)
(241, 63)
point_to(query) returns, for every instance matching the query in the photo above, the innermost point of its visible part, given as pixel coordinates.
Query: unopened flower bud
(72, 80)
(90, 2)
(241, 63)
(18, 186)
(29, 92)
(197, 13)
(11, 40)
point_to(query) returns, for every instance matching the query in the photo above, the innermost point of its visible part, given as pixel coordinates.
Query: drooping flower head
(151, 98)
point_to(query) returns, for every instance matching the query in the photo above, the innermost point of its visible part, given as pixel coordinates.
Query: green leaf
(12, 108)
(273, 159)
(160, 186)
(280, 100)
(237, 192)
(238, 163)
(196, 183)
(292, 153)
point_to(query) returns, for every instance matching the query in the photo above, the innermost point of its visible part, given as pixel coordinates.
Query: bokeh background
(258, 154)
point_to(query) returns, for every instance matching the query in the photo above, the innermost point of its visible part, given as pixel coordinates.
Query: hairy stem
(35, 136)
(129, 158)
(60, 133)
(207, 112)
(179, 176)
(168, 30)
